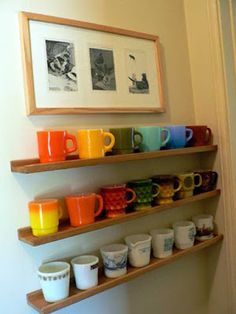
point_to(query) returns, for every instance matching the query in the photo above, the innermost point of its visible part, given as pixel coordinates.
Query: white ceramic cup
(114, 259)
(54, 279)
(139, 249)
(162, 242)
(184, 233)
(85, 269)
(204, 225)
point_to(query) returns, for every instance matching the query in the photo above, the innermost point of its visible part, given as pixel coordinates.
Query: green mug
(126, 140)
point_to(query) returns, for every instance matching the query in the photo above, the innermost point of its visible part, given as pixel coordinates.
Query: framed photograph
(75, 67)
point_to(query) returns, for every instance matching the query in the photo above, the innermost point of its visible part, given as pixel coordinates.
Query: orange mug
(44, 216)
(91, 143)
(82, 208)
(52, 145)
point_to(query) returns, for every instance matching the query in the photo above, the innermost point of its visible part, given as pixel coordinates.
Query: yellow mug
(44, 216)
(91, 143)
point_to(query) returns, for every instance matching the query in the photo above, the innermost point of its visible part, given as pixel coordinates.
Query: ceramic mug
(209, 181)
(179, 136)
(54, 280)
(145, 191)
(126, 140)
(202, 135)
(116, 198)
(82, 208)
(162, 242)
(44, 216)
(91, 143)
(114, 259)
(169, 185)
(189, 181)
(139, 249)
(184, 233)
(205, 226)
(52, 145)
(85, 269)
(154, 137)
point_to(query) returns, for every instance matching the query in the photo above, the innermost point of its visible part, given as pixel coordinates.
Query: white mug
(162, 242)
(184, 233)
(204, 225)
(114, 259)
(139, 249)
(85, 269)
(54, 279)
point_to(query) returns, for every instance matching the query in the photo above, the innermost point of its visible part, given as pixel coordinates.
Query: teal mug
(154, 138)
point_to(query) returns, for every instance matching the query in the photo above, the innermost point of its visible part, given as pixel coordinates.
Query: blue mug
(179, 136)
(154, 137)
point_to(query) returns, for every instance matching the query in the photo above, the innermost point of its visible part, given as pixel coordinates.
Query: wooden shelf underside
(65, 230)
(36, 299)
(33, 165)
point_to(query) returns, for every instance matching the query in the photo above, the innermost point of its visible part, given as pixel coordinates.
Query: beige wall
(176, 289)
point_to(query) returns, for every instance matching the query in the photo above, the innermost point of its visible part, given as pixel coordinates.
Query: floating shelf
(33, 165)
(66, 231)
(36, 299)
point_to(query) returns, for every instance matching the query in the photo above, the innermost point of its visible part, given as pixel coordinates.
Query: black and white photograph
(102, 69)
(62, 75)
(137, 72)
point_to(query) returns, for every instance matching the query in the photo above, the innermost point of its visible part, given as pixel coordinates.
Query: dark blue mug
(179, 136)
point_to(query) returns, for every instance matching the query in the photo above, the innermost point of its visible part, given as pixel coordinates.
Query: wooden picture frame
(73, 67)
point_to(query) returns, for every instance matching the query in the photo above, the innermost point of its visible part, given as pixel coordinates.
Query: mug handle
(179, 185)
(200, 180)
(189, 134)
(158, 188)
(73, 139)
(208, 135)
(100, 205)
(163, 143)
(133, 195)
(112, 139)
(140, 135)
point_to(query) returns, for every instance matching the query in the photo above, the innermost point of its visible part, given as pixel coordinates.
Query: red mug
(202, 135)
(52, 145)
(82, 208)
(115, 198)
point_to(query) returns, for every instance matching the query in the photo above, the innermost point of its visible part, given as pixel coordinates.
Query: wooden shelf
(66, 231)
(36, 299)
(33, 165)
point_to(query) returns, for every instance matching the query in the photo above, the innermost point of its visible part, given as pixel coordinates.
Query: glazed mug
(209, 181)
(126, 140)
(82, 208)
(116, 198)
(189, 181)
(54, 280)
(52, 145)
(85, 268)
(145, 190)
(139, 249)
(44, 216)
(169, 185)
(154, 137)
(114, 259)
(202, 135)
(179, 136)
(162, 242)
(184, 233)
(204, 225)
(92, 143)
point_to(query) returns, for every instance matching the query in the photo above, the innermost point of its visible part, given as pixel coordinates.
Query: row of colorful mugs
(83, 208)
(54, 276)
(92, 143)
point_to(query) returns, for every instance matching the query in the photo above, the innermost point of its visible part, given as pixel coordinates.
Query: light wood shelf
(36, 299)
(66, 231)
(33, 165)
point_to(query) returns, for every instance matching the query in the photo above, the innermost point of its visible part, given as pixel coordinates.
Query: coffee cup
(202, 135)
(169, 185)
(189, 181)
(162, 242)
(116, 198)
(184, 233)
(126, 140)
(92, 143)
(53, 145)
(209, 181)
(44, 216)
(204, 225)
(154, 137)
(82, 208)
(179, 136)
(54, 280)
